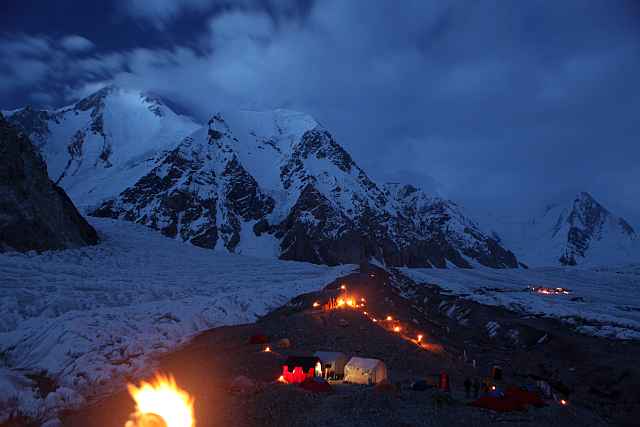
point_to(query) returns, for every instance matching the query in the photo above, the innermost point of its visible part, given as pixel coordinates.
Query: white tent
(332, 361)
(360, 370)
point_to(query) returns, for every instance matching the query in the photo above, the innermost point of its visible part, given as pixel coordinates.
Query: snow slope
(603, 301)
(102, 144)
(90, 316)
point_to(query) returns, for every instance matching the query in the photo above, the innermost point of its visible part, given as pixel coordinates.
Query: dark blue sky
(501, 105)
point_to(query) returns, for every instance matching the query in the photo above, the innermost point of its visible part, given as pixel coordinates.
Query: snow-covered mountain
(277, 184)
(579, 232)
(100, 145)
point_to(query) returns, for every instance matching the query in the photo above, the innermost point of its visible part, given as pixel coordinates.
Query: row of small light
(349, 303)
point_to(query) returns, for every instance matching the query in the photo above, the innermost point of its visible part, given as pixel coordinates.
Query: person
(476, 388)
(467, 387)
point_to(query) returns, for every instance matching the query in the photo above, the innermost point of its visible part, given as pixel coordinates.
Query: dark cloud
(500, 105)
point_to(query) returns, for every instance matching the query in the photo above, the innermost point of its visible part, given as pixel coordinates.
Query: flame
(397, 329)
(267, 349)
(161, 403)
(318, 370)
(316, 304)
(343, 287)
(563, 402)
(420, 337)
(281, 379)
(550, 291)
(389, 318)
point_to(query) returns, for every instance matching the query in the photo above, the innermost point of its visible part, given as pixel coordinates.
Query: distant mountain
(578, 232)
(100, 145)
(35, 214)
(277, 184)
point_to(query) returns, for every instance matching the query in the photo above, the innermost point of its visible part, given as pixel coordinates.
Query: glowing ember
(563, 402)
(316, 304)
(374, 320)
(365, 313)
(343, 287)
(420, 338)
(281, 379)
(397, 329)
(345, 301)
(550, 291)
(267, 349)
(389, 318)
(161, 403)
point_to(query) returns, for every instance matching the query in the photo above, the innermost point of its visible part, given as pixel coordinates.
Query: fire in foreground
(161, 403)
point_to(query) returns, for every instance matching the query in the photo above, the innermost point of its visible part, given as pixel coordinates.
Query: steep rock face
(103, 143)
(199, 192)
(278, 184)
(578, 232)
(585, 225)
(439, 230)
(35, 214)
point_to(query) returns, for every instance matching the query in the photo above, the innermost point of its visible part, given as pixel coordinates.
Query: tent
(333, 362)
(360, 370)
(513, 399)
(296, 369)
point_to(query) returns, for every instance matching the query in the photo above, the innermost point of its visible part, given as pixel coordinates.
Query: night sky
(501, 105)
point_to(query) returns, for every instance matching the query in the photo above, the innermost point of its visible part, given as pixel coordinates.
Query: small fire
(281, 380)
(374, 320)
(316, 304)
(550, 291)
(267, 349)
(420, 337)
(161, 403)
(493, 388)
(318, 370)
(365, 313)
(389, 318)
(563, 402)
(343, 287)
(397, 329)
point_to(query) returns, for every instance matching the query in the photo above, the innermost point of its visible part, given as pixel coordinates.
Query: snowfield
(91, 317)
(603, 301)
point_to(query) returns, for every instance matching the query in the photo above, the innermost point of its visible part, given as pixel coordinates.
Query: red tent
(296, 369)
(498, 404)
(514, 399)
(524, 396)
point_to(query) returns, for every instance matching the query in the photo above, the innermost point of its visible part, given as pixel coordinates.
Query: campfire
(550, 291)
(161, 403)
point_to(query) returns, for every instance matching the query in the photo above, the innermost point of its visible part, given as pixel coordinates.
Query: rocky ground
(597, 376)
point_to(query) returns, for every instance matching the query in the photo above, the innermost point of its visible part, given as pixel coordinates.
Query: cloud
(159, 12)
(75, 43)
(498, 107)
